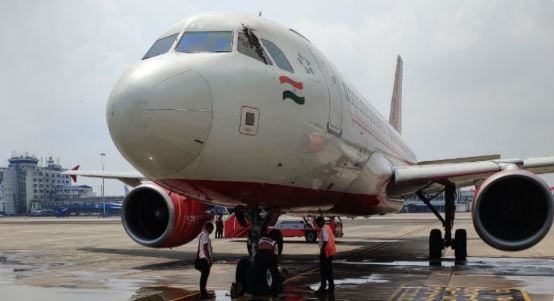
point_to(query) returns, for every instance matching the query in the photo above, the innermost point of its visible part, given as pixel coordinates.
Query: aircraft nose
(159, 116)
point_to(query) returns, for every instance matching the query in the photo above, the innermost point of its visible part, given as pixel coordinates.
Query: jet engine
(513, 210)
(157, 218)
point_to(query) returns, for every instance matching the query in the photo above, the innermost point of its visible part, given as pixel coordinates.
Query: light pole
(102, 155)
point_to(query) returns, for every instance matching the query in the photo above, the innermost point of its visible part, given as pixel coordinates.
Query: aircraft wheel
(241, 277)
(435, 244)
(460, 245)
(310, 236)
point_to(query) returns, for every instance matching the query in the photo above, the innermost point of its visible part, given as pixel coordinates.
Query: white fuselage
(228, 129)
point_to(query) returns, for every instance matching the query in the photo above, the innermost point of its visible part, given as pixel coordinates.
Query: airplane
(234, 110)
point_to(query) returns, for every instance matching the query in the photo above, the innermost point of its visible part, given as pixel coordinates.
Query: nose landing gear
(256, 219)
(437, 244)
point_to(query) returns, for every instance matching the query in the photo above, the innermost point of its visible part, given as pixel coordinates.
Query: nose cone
(159, 116)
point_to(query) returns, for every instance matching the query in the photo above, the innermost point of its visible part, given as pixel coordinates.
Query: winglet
(395, 118)
(74, 177)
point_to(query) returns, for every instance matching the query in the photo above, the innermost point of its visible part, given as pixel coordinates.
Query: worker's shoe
(281, 296)
(320, 291)
(206, 296)
(330, 290)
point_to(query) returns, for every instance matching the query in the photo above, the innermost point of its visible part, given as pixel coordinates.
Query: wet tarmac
(381, 258)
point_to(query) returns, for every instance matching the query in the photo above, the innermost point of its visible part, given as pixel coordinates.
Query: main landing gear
(256, 219)
(437, 244)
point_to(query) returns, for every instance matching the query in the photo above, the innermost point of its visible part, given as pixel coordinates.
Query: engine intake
(513, 210)
(156, 218)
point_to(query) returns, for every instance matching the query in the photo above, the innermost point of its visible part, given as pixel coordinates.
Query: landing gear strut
(436, 242)
(256, 219)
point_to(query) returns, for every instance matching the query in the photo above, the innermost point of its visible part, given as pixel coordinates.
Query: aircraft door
(335, 105)
(334, 125)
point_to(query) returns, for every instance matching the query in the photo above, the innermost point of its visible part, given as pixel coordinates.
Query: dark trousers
(219, 230)
(326, 271)
(204, 273)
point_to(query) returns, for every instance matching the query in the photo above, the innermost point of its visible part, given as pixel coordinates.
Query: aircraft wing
(462, 172)
(130, 178)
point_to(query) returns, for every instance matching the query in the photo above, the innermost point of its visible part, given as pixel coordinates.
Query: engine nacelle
(513, 210)
(157, 218)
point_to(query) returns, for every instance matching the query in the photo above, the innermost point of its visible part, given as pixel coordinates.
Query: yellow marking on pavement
(458, 294)
(396, 291)
(525, 295)
(184, 297)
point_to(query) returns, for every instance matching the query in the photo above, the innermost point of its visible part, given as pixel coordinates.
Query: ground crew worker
(219, 226)
(327, 251)
(266, 258)
(204, 259)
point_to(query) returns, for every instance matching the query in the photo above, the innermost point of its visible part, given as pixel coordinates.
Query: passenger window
(249, 45)
(278, 56)
(161, 46)
(206, 41)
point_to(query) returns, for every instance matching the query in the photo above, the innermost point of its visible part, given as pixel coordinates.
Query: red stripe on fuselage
(297, 85)
(250, 194)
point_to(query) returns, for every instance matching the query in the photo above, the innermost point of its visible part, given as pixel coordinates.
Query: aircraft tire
(241, 276)
(435, 244)
(460, 245)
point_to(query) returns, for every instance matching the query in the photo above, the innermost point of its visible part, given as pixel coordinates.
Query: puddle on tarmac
(370, 279)
(13, 272)
(536, 284)
(536, 273)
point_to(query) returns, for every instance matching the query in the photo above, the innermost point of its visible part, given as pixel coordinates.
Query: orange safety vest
(330, 248)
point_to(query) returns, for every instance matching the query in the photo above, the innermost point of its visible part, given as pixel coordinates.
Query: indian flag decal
(291, 94)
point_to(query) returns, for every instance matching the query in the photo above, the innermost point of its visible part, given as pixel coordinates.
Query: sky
(478, 75)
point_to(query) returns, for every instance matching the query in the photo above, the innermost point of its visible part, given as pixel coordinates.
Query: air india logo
(291, 93)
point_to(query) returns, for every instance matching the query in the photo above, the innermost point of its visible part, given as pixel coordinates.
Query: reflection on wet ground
(384, 266)
(481, 278)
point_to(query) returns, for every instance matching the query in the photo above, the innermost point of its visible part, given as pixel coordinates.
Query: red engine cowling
(513, 210)
(157, 218)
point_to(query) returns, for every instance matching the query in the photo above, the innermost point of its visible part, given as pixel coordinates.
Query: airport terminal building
(26, 185)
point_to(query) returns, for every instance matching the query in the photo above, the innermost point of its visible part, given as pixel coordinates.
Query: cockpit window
(206, 41)
(250, 46)
(277, 55)
(161, 46)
